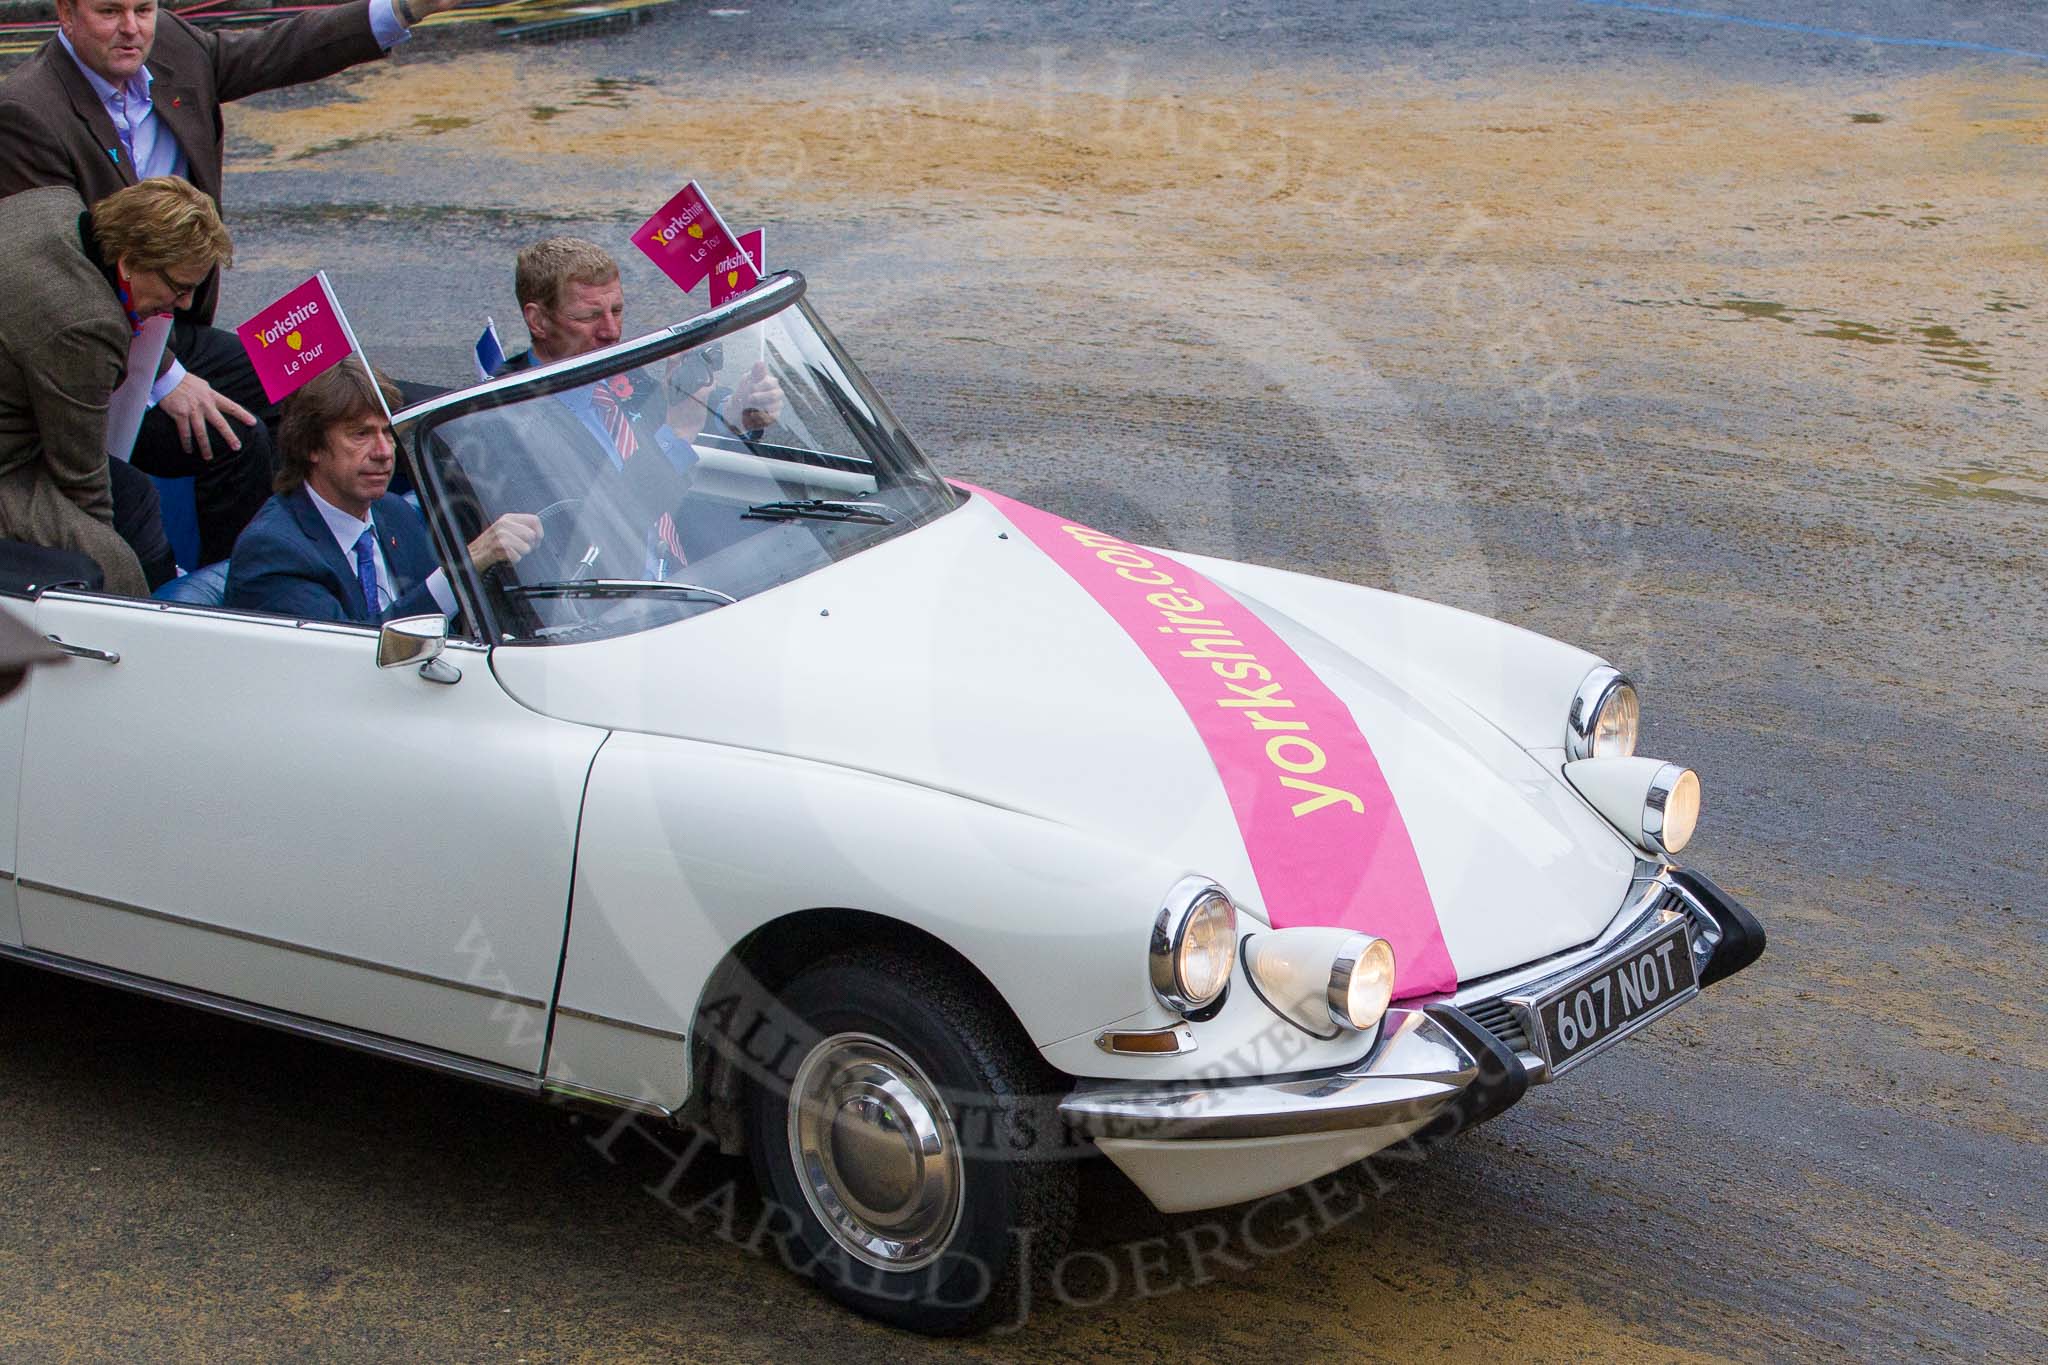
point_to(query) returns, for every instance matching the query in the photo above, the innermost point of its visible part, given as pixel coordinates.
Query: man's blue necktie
(366, 567)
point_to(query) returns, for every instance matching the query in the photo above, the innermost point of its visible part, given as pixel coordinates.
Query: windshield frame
(415, 425)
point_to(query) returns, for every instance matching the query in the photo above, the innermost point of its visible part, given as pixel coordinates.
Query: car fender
(688, 847)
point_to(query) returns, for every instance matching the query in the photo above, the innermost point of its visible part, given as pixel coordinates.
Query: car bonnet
(962, 658)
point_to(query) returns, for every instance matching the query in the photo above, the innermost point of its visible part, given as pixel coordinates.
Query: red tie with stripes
(619, 426)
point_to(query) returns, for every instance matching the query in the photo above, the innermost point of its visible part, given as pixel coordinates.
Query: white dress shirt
(347, 530)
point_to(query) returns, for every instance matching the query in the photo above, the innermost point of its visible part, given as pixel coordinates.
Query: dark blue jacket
(287, 562)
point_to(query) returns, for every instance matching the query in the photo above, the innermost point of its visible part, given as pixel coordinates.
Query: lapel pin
(114, 155)
(177, 102)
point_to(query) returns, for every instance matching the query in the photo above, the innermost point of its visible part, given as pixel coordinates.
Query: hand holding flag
(756, 403)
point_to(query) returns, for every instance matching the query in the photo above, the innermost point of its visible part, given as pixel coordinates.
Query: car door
(13, 732)
(249, 806)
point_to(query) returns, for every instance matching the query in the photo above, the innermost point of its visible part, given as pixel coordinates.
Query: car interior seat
(207, 587)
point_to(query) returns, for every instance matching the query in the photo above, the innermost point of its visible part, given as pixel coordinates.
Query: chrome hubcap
(875, 1152)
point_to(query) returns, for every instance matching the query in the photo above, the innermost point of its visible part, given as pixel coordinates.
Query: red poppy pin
(621, 386)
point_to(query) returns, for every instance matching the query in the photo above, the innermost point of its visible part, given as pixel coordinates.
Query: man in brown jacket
(78, 285)
(125, 92)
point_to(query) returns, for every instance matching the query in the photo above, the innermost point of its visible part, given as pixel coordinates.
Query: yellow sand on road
(1875, 244)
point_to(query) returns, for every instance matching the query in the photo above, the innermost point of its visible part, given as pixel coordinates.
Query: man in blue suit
(333, 544)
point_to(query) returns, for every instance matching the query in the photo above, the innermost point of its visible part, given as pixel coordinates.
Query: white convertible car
(909, 838)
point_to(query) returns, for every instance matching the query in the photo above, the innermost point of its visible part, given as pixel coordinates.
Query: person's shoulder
(27, 86)
(274, 521)
(57, 299)
(264, 549)
(40, 227)
(174, 37)
(45, 207)
(287, 522)
(41, 137)
(169, 21)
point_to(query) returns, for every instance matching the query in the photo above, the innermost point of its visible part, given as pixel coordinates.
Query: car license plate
(1584, 1015)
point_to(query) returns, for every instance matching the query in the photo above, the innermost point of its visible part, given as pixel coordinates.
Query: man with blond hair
(571, 299)
(573, 303)
(78, 285)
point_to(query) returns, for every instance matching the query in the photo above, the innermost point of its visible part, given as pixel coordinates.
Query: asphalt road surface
(1711, 340)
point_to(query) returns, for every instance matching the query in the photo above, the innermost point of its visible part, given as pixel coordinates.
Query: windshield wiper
(823, 509)
(616, 587)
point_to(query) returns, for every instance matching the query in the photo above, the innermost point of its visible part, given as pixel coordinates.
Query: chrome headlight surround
(1604, 717)
(1655, 805)
(1193, 948)
(1324, 979)
(1362, 982)
(1671, 811)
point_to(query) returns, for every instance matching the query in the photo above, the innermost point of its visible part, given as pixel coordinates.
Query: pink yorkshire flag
(740, 271)
(296, 338)
(687, 238)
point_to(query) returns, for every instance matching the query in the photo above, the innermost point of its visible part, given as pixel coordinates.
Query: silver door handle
(105, 656)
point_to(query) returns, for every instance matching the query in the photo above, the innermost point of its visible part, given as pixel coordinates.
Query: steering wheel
(557, 532)
(560, 513)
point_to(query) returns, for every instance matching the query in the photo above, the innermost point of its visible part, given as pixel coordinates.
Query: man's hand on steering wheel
(506, 541)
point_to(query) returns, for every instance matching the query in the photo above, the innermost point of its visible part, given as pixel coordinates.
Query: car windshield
(678, 478)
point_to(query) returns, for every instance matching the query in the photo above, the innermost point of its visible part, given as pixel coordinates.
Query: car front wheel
(912, 1142)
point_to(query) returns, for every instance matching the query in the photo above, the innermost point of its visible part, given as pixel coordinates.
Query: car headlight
(1362, 982)
(1194, 946)
(1324, 979)
(1672, 810)
(1656, 805)
(1603, 717)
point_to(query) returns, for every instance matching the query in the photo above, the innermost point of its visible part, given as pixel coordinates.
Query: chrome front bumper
(1434, 1068)
(1415, 1068)
(1199, 1145)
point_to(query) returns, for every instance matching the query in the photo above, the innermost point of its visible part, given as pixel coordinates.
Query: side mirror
(411, 640)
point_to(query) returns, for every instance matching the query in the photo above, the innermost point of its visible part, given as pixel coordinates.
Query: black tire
(1016, 1176)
